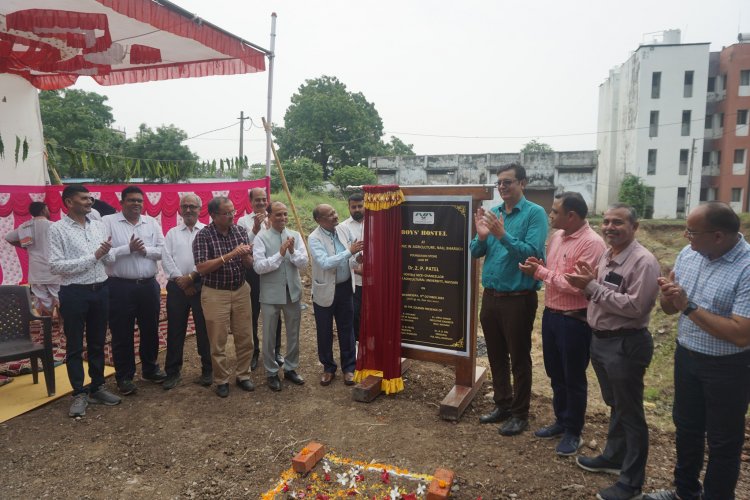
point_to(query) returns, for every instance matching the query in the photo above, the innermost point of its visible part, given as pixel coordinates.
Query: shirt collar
(519, 206)
(328, 233)
(622, 256)
(737, 250)
(578, 233)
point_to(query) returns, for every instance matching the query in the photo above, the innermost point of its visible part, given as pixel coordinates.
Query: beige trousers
(225, 311)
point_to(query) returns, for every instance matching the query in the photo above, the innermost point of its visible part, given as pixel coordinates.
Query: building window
(655, 84)
(721, 120)
(709, 121)
(706, 159)
(683, 161)
(745, 77)
(653, 124)
(718, 158)
(741, 117)
(687, 89)
(724, 81)
(686, 122)
(681, 194)
(739, 156)
(711, 84)
(736, 195)
(651, 169)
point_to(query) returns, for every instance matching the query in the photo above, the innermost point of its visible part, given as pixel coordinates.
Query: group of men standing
(598, 301)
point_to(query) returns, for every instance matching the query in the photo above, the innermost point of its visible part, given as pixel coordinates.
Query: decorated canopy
(51, 43)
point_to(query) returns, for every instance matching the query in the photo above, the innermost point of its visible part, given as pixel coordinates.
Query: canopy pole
(271, 60)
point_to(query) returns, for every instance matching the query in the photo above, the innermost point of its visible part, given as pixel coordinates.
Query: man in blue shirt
(506, 236)
(710, 286)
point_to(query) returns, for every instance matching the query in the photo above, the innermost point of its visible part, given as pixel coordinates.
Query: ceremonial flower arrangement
(338, 477)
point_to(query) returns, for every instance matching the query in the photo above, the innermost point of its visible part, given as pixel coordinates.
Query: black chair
(15, 334)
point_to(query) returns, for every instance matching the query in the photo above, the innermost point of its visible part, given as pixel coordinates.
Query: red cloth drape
(380, 328)
(161, 201)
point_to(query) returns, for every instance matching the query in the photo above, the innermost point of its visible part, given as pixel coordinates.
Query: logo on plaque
(423, 218)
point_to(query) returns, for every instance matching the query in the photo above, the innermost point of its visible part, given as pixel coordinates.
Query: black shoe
(222, 390)
(274, 383)
(661, 495)
(206, 379)
(254, 361)
(246, 385)
(550, 431)
(294, 377)
(514, 426)
(598, 464)
(619, 491)
(498, 414)
(171, 381)
(126, 387)
(157, 377)
(279, 360)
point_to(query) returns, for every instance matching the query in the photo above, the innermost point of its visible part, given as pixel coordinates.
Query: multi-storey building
(726, 175)
(650, 124)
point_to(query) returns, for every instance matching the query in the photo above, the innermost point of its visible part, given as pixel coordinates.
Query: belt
(139, 281)
(495, 293)
(229, 288)
(573, 313)
(622, 332)
(88, 286)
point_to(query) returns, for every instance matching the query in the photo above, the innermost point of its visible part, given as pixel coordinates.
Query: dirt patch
(188, 443)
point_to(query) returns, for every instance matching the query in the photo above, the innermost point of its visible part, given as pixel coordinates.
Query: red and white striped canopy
(51, 43)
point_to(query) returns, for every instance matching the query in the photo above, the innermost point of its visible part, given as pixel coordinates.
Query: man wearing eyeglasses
(710, 287)
(184, 294)
(507, 235)
(134, 293)
(222, 253)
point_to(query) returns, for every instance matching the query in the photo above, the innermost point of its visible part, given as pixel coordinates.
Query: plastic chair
(15, 334)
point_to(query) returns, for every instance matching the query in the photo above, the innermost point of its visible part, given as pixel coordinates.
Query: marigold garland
(383, 197)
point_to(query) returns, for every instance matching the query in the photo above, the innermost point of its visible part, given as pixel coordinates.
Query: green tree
(353, 176)
(635, 193)
(397, 147)
(534, 146)
(170, 160)
(300, 173)
(330, 125)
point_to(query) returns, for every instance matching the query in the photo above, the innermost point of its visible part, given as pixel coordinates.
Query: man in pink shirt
(566, 336)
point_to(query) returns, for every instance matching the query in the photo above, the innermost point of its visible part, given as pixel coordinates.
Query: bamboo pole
(286, 190)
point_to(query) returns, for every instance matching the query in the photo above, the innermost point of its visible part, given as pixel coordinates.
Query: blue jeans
(710, 402)
(565, 344)
(179, 306)
(342, 310)
(134, 301)
(84, 310)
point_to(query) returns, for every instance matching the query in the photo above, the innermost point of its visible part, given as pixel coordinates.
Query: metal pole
(689, 180)
(271, 60)
(242, 128)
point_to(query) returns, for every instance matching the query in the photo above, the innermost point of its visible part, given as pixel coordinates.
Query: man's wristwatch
(691, 306)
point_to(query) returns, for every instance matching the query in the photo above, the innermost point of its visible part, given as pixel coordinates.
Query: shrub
(353, 176)
(300, 173)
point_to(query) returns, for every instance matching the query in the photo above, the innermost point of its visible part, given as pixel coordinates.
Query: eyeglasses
(505, 182)
(229, 214)
(190, 207)
(691, 234)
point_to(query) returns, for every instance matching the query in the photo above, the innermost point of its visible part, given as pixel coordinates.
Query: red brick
(440, 487)
(306, 459)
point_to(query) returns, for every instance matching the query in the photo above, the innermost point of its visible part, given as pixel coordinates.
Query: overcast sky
(460, 76)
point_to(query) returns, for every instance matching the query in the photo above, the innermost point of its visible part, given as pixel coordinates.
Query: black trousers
(253, 279)
(179, 307)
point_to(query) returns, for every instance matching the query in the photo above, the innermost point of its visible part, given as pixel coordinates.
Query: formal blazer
(324, 280)
(273, 284)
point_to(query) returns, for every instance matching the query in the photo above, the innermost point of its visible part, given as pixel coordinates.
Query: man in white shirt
(32, 235)
(355, 225)
(137, 242)
(255, 223)
(79, 248)
(278, 255)
(184, 294)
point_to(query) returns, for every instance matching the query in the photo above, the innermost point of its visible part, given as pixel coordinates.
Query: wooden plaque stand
(469, 377)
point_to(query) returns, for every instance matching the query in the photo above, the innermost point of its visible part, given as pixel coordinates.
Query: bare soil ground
(188, 443)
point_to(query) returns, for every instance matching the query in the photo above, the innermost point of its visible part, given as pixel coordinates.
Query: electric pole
(242, 119)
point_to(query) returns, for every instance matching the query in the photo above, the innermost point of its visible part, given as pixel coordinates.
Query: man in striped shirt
(566, 336)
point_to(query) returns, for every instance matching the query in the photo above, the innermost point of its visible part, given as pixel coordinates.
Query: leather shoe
(246, 385)
(349, 378)
(222, 390)
(498, 414)
(294, 377)
(514, 426)
(279, 360)
(327, 378)
(274, 383)
(206, 379)
(254, 361)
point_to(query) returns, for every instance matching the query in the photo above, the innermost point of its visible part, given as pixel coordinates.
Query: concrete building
(726, 175)
(548, 173)
(650, 124)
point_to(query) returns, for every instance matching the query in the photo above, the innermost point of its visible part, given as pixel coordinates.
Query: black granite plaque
(435, 264)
